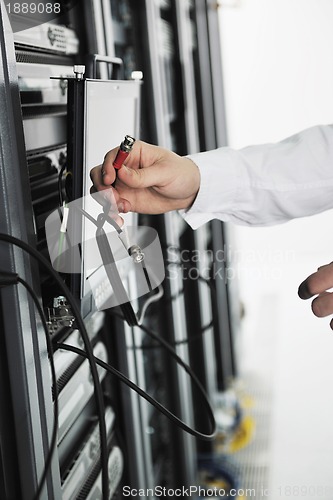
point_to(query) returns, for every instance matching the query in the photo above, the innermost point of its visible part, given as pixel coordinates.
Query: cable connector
(136, 253)
(64, 222)
(123, 152)
(8, 279)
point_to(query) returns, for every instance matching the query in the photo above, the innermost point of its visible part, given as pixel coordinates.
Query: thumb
(144, 177)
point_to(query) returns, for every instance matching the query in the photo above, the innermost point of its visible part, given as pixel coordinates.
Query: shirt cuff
(220, 182)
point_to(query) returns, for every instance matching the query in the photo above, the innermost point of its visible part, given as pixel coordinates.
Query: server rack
(202, 105)
(26, 426)
(184, 120)
(179, 449)
(36, 129)
(187, 121)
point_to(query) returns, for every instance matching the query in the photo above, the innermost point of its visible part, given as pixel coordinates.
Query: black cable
(195, 337)
(192, 375)
(109, 263)
(107, 256)
(179, 360)
(175, 297)
(61, 173)
(189, 340)
(17, 279)
(97, 223)
(143, 265)
(89, 354)
(53, 442)
(171, 416)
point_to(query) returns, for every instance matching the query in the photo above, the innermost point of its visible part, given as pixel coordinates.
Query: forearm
(266, 184)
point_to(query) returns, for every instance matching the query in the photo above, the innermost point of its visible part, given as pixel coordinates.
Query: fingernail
(103, 172)
(303, 291)
(121, 206)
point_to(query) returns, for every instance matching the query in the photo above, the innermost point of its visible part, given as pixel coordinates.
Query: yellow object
(243, 435)
(216, 483)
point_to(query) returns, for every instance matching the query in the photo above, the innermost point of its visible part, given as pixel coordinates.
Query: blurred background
(278, 77)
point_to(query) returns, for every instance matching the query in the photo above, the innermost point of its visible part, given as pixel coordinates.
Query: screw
(79, 71)
(137, 75)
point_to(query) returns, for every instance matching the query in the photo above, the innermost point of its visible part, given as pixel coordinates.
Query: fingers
(108, 174)
(146, 166)
(100, 179)
(105, 174)
(103, 193)
(143, 155)
(323, 305)
(133, 159)
(151, 180)
(145, 177)
(109, 199)
(317, 282)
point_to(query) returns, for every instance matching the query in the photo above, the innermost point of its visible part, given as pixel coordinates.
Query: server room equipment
(98, 112)
(50, 37)
(140, 443)
(83, 474)
(26, 417)
(33, 456)
(89, 102)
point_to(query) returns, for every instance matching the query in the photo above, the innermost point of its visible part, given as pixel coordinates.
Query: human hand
(318, 284)
(153, 180)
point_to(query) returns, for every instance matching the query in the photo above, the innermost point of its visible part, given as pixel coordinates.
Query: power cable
(90, 356)
(171, 416)
(7, 279)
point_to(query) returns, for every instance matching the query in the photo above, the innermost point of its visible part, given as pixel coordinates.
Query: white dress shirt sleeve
(267, 184)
